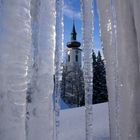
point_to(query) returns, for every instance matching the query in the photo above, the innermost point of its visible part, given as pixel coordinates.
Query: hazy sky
(72, 10)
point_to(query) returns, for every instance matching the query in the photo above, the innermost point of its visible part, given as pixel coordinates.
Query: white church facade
(73, 83)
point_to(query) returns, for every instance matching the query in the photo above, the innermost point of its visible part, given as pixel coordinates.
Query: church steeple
(73, 43)
(73, 33)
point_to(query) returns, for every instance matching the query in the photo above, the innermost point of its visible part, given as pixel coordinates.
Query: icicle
(136, 5)
(35, 8)
(87, 21)
(58, 63)
(15, 49)
(121, 53)
(40, 123)
(127, 60)
(109, 43)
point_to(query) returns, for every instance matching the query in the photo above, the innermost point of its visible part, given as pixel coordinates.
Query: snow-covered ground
(73, 123)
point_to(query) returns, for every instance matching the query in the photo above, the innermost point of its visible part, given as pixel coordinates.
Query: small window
(76, 58)
(68, 58)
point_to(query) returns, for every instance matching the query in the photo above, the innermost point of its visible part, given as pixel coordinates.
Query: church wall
(72, 54)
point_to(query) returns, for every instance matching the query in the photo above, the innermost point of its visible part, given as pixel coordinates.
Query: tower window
(76, 58)
(68, 58)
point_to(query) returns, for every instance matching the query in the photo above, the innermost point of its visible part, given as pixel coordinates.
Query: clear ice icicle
(108, 36)
(87, 32)
(119, 32)
(58, 63)
(40, 123)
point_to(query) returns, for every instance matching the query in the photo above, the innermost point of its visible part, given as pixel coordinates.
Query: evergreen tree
(94, 64)
(99, 81)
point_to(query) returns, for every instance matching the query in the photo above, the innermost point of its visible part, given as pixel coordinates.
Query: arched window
(68, 58)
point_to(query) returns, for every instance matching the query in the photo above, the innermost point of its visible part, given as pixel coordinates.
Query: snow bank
(73, 123)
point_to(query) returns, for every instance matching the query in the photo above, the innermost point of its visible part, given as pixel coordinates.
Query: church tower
(72, 81)
(73, 53)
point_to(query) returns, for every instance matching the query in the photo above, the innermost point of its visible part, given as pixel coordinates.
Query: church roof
(73, 33)
(73, 43)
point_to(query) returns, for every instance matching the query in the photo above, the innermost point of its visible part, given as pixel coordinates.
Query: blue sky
(72, 10)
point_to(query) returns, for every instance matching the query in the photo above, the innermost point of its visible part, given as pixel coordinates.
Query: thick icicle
(58, 63)
(87, 31)
(119, 35)
(35, 7)
(136, 7)
(15, 49)
(128, 81)
(40, 123)
(109, 45)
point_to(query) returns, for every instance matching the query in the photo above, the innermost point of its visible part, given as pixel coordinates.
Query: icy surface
(136, 7)
(73, 123)
(15, 48)
(35, 7)
(40, 115)
(110, 54)
(58, 63)
(87, 32)
(120, 32)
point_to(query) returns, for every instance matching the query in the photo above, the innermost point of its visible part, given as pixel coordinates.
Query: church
(72, 78)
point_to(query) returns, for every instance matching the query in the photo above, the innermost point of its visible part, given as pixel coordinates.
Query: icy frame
(31, 31)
